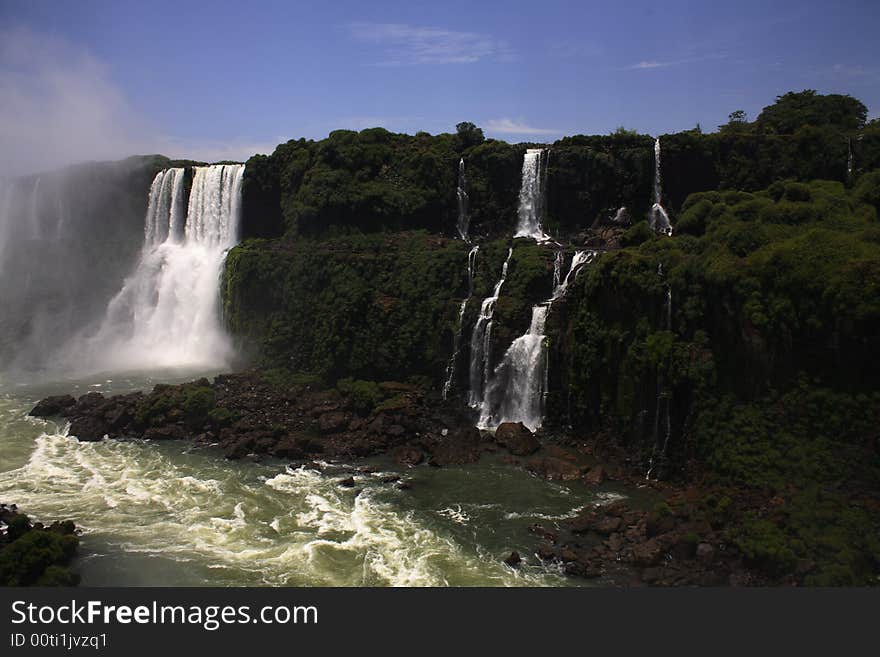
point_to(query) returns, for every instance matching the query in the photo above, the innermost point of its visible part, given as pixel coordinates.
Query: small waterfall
(481, 338)
(456, 345)
(659, 220)
(621, 216)
(531, 195)
(461, 193)
(167, 312)
(518, 386)
(557, 269)
(849, 158)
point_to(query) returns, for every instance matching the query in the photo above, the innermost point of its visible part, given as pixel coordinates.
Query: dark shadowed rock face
(463, 446)
(517, 438)
(52, 406)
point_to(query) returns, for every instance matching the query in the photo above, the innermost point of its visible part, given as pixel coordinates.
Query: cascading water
(531, 196)
(481, 338)
(456, 346)
(621, 216)
(659, 219)
(849, 158)
(167, 313)
(518, 385)
(461, 193)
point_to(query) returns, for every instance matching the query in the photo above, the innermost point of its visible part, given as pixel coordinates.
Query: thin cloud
(648, 64)
(409, 44)
(506, 126)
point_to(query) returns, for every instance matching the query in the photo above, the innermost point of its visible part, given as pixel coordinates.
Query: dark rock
(657, 524)
(459, 448)
(348, 482)
(554, 468)
(517, 438)
(648, 553)
(513, 560)
(289, 448)
(408, 456)
(595, 476)
(705, 553)
(404, 485)
(167, 432)
(390, 479)
(52, 406)
(88, 428)
(333, 422)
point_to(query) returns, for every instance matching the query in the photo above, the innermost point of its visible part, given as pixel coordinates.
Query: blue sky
(218, 79)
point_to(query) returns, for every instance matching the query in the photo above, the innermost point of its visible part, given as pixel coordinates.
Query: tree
(469, 134)
(736, 122)
(797, 109)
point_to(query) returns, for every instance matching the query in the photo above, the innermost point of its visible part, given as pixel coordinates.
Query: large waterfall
(515, 392)
(167, 312)
(481, 340)
(456, 346)
(659, 220)
(461, 193)
(531, 195)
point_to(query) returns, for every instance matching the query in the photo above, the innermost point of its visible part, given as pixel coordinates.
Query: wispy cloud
(404, 44)
(649, 64)
(507, 126)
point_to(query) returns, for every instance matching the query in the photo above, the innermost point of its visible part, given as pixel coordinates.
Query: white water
(461, 193)
(456, 345)
(167, 313)
(169, 514)
(518, 385)
(481, 339)
(531, 196)
(659, 220)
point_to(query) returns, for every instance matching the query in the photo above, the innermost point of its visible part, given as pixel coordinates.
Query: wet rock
(333, 422)
(514, 560)
(648, 553)
(459, 448)
(390, 479)
(554, 469)
(348, 482)
(595, 476)
(408, 456)
(705, 553)
(88, 428)
(404, 485)
(608, 525)
(289, 448)
(517, 438)
(167, 432)
(52, 406)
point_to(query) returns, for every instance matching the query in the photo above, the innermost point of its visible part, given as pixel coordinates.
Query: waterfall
(849, 158)
(531, 196)
(167, 312)
(481, 338)
(456, 345)
(659, 220)
(557, 268)
(461, 193)
(621, 216)
(518, 385)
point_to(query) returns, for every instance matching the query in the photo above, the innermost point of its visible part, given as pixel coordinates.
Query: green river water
(173, 514)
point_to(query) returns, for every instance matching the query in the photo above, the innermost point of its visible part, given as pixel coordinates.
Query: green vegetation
(746, 344)
(31, 555)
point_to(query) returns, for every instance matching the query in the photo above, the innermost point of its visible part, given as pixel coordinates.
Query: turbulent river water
(170, 513)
